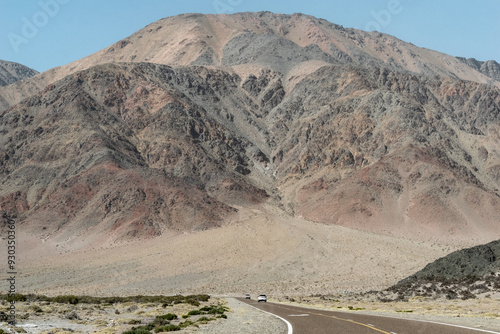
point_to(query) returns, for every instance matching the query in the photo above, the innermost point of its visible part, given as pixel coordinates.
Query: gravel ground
(244, 319)
(241, 319)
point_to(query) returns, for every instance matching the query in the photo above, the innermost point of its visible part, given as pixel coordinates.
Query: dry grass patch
(118, 315)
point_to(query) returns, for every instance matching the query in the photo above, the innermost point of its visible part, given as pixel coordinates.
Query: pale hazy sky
(43, 34)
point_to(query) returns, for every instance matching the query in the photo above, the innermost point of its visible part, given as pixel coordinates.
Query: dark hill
(463, 274)
(12, 72)
(478, 261)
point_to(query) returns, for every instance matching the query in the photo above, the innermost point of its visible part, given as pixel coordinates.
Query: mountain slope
(119, 148)
(330, 124)
(382, 146)
(400, 157)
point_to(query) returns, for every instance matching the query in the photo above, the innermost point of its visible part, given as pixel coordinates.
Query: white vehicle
(262, 298)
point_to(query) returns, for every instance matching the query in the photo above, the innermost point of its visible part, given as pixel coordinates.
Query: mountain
(12, 72)
(489, 68)
(184, 123)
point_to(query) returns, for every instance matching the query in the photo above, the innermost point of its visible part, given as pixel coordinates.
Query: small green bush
(194, 312)
(17, 298)
(139, 330)
(168, 316)
(160, 322)
(66, 299)
(200, 298)
(168, 328)
(192, 302)
(212, 309)
(186, 323)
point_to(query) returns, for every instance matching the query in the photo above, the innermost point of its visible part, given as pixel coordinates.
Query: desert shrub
(168, 328)
(223, 316)
(186, 323)
(213, 309)
(16, 297)
(200, 298)
(451, 295)
(66, 299)
(467, 295)
(168, 316)
(384, 300)
(160, 322)
(134, 322)
(194, 312)
(192, 302)
(141, 329)
(36, 308)
(355, 308)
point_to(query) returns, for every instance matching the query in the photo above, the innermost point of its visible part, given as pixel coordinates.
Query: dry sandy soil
(265, 251)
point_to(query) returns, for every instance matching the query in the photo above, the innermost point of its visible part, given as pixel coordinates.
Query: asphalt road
(311, 321)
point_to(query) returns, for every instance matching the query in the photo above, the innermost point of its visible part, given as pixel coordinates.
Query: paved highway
(311, 321)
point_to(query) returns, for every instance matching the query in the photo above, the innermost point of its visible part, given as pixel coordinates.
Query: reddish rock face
(288, 110)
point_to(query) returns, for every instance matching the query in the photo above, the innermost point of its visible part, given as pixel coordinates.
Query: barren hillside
(196, 120)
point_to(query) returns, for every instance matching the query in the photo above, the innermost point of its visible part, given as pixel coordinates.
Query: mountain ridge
(200, 39)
